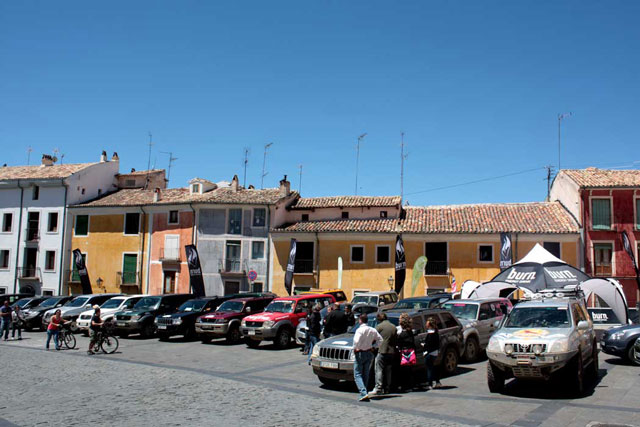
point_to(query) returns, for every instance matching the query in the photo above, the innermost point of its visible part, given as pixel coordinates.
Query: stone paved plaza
(188, 383)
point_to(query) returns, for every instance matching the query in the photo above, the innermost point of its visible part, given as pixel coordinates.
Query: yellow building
(459, 241)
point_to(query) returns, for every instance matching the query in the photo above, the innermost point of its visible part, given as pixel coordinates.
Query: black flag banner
(291, 265)
(505, 251)
(195, 271)
(629, 250)
(401, 264)
(81, 268)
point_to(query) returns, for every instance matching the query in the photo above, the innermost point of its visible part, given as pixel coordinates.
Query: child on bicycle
(96, 328)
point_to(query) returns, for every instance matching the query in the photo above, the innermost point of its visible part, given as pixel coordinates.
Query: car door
(583, 336)
(417, 324)
(485, 323)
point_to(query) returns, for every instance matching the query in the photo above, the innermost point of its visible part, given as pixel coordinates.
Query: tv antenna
(149, 160)
(300, 180)
(360, 138)
(246, 161)
(171, 160)
(560, 118)
(29, 150)
(264, 164)
(549, 169)
(403, 157)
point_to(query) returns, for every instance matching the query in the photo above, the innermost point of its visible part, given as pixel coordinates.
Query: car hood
(65, 310)
(529, 334)
(103, 311)
(263, 317)
(223, 315)
(136, 312)
(339, 341)
(625, 328)
(182, 314)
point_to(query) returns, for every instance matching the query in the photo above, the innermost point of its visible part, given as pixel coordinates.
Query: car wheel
(472, 350)
(495, 378)
(593, 368)
(283, 338)
(330, 382)
(449, 361)
(124, 335)
(73, 327)
(576, 375)
(234, 336)
(148, 331)
(632, 355)
(205, 339)
(252, 343)
(163, 337)
(85, 333)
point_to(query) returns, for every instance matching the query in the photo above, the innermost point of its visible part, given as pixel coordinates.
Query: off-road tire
(124, 335)
(148, 331)
(575, 375)
(449, 362)
(253, 343)
(283, 338)
(631, 354)
(593, 369)
(205, 339)
(472, 350)
(163, 337)
(234, 335)
(495, 378)
(329, 382)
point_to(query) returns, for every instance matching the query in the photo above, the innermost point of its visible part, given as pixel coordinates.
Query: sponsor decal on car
(531, 333)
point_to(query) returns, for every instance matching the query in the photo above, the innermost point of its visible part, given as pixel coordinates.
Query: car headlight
(617, 336)
(494, 345)
(177, 321)
(560, 346)
(154, 320)
(508, 349)
(316, 351)
(538, 349)
(268, 324)
(243, 323)
(352, 356)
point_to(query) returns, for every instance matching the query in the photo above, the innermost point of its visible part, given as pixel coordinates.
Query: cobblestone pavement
(187, 383)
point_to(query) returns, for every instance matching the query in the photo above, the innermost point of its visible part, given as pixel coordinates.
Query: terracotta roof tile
(140, 173)
(41, 172)
(346, 202)
(593, 177)
(226, 195)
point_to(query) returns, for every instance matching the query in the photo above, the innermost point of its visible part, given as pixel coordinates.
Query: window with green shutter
(129, 269)
(601, 214)
(638, 214)
(75, 276)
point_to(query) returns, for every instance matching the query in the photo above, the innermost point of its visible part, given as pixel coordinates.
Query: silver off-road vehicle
(550, 335)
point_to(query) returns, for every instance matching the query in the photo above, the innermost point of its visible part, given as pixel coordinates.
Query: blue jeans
(433, 374)
(5, 328)
(54, 334)
(361, 369)
(313, 340)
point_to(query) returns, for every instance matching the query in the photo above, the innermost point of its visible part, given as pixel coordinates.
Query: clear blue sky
(475, 86)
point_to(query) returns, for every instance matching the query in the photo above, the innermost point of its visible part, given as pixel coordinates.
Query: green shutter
(601, 214)
(638, 214)
(75, 277)
(129, 268)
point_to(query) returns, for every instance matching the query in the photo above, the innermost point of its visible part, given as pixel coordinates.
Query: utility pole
(264, 164)
(246, 160)
(146, 184)
(300, 180)
(360, 138)
(171, 160)
(549, 169)
(29, 150)
(560, 117)
(402, 159)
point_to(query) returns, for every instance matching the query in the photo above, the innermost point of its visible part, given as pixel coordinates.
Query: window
(304, 258)
(485, 253)
(130, 182)
(383, 214)
(82, 225)
(257, 250)
(256, 287)
(235, 221)
(382, 254)
(52, 224)
(35, 194)
(4, 258)
(173, 217)
(259, 217)
(131, 223)
(436, 253)
(637, 214)
(304, 217)
(7, 222)
(345, 215)
(602, 259)
(449, 321)
(601, 214)
(50, 261)
(3, 290)
(129, 269)
(47, 292)
(357, 254)
(553, 248)
(486, 312)
(195, 188)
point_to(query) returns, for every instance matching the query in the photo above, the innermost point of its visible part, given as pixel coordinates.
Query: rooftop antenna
(560, 117)
(246, 160)
(300, 180)
(402, 159)
(264, 164)
(549, 169)
(61, 158)
(171, 160)
(149, 159)
(56, 151)
(360, 138)
(29, 150)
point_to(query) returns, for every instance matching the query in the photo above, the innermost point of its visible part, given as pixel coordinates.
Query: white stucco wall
(567, 192)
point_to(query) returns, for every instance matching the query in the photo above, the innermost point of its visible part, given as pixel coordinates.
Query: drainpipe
(318, 259)
(15, 278)
(268, 259)
(150, 228)
(64, 230)
(194, 242)
(193, 234)
(141, 246)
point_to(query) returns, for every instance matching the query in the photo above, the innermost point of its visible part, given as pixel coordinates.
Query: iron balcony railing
(31, 273)
(231, 265)
(303, 266)
(436, 268)
(170, 254)
(131, 278)
(31, 234)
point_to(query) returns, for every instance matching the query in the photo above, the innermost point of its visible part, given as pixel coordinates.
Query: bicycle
(107, 342)
(66, 336)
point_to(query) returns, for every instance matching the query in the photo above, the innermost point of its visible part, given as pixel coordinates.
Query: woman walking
(407, 352)
(431, 348)
(54, 328)
(18, 320)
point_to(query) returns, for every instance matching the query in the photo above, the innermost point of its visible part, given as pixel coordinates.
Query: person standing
(96, 328)
(407, 352)
(335, 322)
(431, 349)
(5, 312)
(348, 313)
(364, 340)
(305, 349)
(313, 329)
(54, 328)
(386, 353)
(17, 321)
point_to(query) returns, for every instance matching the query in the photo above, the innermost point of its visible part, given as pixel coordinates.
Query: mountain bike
(66, 337)
(107, 342)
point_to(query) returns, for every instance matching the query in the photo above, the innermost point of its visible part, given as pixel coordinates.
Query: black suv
(182, 322)
(33, 316)
(140, 319)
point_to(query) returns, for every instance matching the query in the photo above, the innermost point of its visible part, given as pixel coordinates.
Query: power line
(476, 181)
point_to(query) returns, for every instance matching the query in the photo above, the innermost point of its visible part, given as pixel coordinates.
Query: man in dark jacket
(335, 322)
(313, 331)
(386, 353)
(348, 312)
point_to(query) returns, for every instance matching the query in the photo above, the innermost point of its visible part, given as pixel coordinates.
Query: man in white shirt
(364, 340)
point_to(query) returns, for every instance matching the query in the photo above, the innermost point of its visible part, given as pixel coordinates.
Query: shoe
(19, 338)
(438, 385)
(90, 353)
(364, 398)
(374, 392)
(57, 348)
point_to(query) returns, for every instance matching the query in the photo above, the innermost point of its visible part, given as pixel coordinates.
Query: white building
(34, 221)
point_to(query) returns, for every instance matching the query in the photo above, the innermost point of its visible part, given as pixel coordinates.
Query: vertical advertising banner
(401, 264)
(291, 265)
(626, 243)
(195, 271)
(505, 251)
(81, 268)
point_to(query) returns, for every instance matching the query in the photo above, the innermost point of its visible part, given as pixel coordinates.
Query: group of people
(397, 350)
(336, 322)
(12, 319)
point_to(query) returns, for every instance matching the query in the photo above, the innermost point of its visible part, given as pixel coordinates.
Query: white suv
(107, 310)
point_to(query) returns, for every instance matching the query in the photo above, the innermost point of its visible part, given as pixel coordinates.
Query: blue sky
(475, 86)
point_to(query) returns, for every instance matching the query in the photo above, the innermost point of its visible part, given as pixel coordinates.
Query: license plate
(329, 365)
(162, 327)
(206, 326)
(122, 324)
(250, 332)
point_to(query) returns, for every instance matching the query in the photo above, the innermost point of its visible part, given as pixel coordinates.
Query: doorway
(233, 256)
(231, 287)
(33, 225)
(30, 262)
(169, 282)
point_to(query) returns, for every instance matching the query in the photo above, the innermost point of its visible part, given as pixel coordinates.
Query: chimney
(133, 170)
(234, 183)
(251, 187)
(103, 157)
(157, 195)
(115, 157)
(47, 160)
(285, 187)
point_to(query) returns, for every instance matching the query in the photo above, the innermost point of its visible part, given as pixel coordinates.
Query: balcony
(436, 268)
(31, 234)
(29, 273)
(128, 278)
(231, 265)
(303, 266)
(72, 276)
(170, 255)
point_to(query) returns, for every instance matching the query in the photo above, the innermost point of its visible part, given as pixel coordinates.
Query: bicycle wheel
(69, 340)
(59, 340)
(109, 344)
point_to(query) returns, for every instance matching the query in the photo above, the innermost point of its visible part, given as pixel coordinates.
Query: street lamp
(99, 282)
(390, 280)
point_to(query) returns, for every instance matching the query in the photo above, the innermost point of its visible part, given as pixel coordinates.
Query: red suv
(279, 320)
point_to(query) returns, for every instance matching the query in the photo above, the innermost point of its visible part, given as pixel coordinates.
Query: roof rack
(573, 292)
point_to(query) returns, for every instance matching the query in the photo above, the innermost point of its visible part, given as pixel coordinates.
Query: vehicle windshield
(192, 305)
(23, 302)
(365, 299)
(77, 302)
(147, 303)
(412, 304)
(538, 317)
(231, 306)
(112, 303)
(462, 310)
(50, 302)
(280, 307)
(373, 322)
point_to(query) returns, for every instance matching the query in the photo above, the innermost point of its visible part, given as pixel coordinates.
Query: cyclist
(54, 328)
(96, 328)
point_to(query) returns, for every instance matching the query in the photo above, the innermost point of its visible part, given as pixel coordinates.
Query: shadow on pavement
(556, 388)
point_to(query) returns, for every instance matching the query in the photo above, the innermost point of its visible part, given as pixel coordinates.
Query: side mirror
(248, 309)
(381, 303)
(88, 306)
(496, 323)
(583, 325)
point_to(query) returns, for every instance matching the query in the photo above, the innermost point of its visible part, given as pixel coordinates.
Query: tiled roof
(536, 218)
(346, 202)
(140, 197)
(140, 173)
(593, 177)
(226, 195)
(41, 172)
